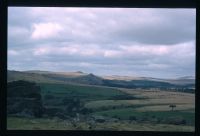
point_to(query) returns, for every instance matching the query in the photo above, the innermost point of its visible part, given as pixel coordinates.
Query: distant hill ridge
(91, 79)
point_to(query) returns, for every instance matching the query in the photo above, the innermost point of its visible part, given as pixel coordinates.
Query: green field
(80, 91)
(160, 116)
(143, 112)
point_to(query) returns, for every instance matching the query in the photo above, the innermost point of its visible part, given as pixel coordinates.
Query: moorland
(84, 101)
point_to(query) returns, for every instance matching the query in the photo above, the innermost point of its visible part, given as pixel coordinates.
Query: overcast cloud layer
(103, 41)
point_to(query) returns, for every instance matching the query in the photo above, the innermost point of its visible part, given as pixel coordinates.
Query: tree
(24, 99)
(172, 106)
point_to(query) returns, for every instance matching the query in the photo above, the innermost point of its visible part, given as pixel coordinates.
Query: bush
(49, 96)
(132, 118)
(85, 111)
(60, 115)
(176, 121)
(52, 111)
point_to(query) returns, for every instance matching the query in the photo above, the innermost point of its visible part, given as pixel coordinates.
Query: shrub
(132, 118)
(176, 121)
(49, 96)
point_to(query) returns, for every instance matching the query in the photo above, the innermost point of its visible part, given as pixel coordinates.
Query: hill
(91, 79)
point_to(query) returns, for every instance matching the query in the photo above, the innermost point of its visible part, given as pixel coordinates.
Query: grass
(16, 123)
(183, 101)
(107, 103)
(19, 123)
(160, 96)
(95, 97)
(165, 107)
(83, 92)
(126, 113)
(143, 104)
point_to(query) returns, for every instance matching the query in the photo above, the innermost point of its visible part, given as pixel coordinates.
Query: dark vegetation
(24, 99)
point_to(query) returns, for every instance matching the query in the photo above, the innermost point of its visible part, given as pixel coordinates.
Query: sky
(103, 41)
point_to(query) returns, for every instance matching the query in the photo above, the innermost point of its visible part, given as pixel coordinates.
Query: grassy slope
(82, 92)
(156, 101)
(32, 77)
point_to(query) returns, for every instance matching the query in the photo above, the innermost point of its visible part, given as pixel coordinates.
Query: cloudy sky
(104, 41)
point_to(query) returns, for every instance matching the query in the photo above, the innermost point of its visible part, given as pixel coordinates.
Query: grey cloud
(172, 26)
(101, 30)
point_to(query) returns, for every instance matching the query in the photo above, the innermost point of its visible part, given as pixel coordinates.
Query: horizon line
(175, 77)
